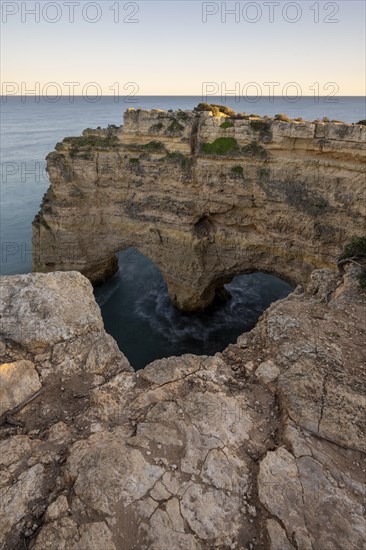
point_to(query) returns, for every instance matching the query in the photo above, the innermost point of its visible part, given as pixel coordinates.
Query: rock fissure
(323, 398)
(304, 507)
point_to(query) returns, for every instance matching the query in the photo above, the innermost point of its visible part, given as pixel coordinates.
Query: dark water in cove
(135, 305)
(138, 313)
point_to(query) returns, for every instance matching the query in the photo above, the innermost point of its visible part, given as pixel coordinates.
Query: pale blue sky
(170, 51)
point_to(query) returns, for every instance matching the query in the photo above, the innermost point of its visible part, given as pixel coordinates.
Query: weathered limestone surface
(285, 199)
(18, 381)
(261, 447)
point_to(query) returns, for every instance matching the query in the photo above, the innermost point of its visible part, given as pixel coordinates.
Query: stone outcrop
(204, 197)
(261, 447)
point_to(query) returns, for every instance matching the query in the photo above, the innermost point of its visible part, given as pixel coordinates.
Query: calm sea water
(138, 313)
(29, 131)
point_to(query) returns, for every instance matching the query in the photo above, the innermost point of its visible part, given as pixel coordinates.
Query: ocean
(30, 128)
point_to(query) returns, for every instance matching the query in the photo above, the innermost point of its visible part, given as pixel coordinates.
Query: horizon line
(187, 95)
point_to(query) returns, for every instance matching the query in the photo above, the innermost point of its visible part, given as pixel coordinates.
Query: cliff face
(261, 447)
(203, 197)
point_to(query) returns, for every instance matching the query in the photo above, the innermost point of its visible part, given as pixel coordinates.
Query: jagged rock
(158, 373)
(267, 372)
(280, 490)
(57, 509)
(46, 310)
(65, 534)
(277, 536)
(18, 500)
(18, 381)
(187, 453)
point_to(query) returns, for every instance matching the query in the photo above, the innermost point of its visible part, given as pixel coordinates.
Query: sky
(183, 47)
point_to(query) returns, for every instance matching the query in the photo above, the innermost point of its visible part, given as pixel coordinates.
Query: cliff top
(207, 123)
(223, 111)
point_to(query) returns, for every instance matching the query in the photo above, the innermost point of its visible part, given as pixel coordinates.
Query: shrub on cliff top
(356, 248)
(182, 115)
(92, 141)
(226, 110)
(362, 122)
(258, 125)
(203, 107)
(241, 116)
(216, 109)
(355, 252)
(261, 126)
(221, 146)
(282, 117)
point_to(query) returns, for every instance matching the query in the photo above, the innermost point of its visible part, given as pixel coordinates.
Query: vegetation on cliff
(156, 127)
(237, 170)
(355, 252)
(182, 115)
(150, 147)
(216, 109)
(282, 117)
(175, 127)
(263, 127)
(221, 146)
(82, 146)
(91, 141)
(219, 110)
(229, 146)
(226, 124)
(253, 149)
(176, 156)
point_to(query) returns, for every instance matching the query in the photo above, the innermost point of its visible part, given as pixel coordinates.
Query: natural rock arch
(283, 201)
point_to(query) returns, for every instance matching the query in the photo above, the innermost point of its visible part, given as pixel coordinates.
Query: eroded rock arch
(278, 197)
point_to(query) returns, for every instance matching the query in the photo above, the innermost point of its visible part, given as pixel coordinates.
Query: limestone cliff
(261, 447)
(204, 197)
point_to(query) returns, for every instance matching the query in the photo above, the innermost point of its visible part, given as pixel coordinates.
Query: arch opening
(138, 311)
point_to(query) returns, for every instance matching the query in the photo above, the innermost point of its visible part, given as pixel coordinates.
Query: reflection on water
(138, 313)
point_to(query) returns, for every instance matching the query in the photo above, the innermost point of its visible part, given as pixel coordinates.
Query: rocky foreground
(260, 447)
